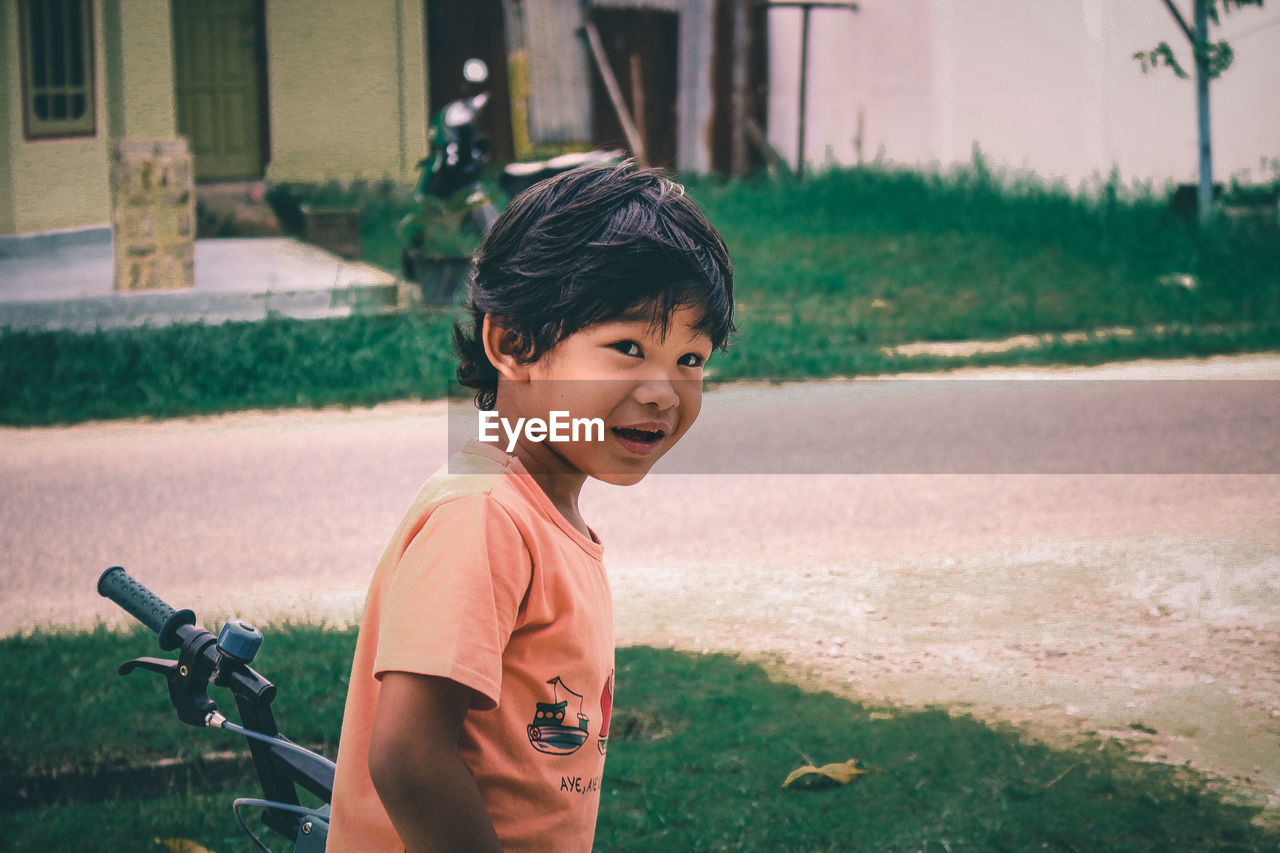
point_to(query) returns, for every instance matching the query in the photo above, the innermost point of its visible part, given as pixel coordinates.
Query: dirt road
(1067, 602)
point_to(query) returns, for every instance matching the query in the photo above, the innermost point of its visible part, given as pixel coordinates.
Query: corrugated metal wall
(559, 72)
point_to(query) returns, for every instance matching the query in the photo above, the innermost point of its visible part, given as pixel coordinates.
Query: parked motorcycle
(453, 207)
(449, 194)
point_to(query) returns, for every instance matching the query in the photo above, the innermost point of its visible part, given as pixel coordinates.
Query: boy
(478, 710)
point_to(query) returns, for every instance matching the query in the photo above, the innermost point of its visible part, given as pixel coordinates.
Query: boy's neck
(560, 483)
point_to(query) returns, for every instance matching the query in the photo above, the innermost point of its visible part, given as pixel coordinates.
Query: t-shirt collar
(592, 545)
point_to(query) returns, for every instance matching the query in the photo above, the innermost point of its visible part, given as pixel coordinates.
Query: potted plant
(437, 245)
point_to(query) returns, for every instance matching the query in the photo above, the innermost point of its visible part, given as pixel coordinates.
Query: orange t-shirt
(485, 583)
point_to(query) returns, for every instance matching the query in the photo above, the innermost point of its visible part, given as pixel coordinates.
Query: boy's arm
(427, 790)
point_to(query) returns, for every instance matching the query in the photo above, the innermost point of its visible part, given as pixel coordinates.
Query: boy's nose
(657, 391)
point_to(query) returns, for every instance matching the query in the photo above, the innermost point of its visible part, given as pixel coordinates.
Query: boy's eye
(692, 359)
(630, 348)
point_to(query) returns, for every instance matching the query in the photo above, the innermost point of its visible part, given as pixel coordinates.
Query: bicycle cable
(217, 721)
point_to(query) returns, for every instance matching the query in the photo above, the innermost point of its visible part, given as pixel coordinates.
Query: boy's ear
(501, 345)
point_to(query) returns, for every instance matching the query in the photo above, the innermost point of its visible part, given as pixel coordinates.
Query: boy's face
(645, 386)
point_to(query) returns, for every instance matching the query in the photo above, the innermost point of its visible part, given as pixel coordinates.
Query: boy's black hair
(590, 246)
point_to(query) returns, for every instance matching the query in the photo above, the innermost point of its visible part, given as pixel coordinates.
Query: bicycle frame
(203, 660)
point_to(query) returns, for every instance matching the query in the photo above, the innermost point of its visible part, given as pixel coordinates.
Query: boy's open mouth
(638, 440)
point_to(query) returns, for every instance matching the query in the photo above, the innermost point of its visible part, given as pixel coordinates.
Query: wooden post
(637, 99)
(741, 45)
(615, 93)
(755, 135)
(804, 86)
(805, 6)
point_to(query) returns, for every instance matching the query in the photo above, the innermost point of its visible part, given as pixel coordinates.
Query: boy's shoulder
(473, 488)
(480, 478)
(476, 471)
(482, 482)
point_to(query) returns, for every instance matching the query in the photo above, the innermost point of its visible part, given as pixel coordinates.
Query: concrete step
(160, 308)
(61, 286)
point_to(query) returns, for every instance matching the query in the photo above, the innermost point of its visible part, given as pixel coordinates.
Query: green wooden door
(218, 85)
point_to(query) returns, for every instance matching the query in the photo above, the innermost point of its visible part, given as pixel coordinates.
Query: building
(274, 89)
(317, 90)
(1050, 86)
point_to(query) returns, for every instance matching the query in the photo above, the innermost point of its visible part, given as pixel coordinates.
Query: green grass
(860, 259)
(52, 377)
(727, 735)
(72, 709)
(700, 745)
(829, 273)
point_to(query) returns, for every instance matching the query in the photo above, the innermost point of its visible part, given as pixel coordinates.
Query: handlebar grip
(144, 605)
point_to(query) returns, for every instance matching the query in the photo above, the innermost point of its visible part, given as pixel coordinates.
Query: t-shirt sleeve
(455, 598)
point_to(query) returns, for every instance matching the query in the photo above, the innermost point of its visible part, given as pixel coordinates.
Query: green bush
(52, 377)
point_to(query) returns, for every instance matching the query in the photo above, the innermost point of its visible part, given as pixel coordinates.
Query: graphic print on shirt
(606, 711)
(548, 732)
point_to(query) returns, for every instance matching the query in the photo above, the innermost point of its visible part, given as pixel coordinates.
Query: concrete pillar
(154, 214)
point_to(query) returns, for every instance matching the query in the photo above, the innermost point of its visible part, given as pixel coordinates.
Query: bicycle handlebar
(144, 605)
(140, 602)
(281, 765)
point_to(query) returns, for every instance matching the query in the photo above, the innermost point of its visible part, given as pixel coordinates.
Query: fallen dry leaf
(181, 845)
(841, 773)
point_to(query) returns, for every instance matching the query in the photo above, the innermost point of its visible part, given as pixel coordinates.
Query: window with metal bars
(57, 68)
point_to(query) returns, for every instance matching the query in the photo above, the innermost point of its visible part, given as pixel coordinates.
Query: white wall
(1048, 86)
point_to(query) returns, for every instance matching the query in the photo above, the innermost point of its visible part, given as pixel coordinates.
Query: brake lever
(160, 665)
(188, 685)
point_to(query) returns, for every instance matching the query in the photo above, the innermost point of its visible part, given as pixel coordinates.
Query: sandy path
(1159, 607)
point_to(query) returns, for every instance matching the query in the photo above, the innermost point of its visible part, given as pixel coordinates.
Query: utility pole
(805, 7)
